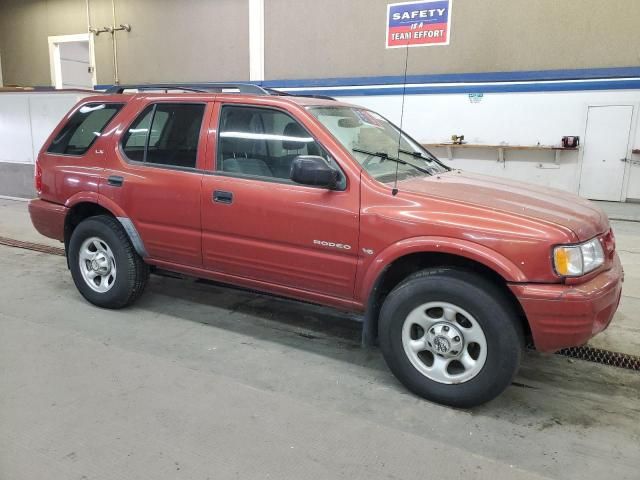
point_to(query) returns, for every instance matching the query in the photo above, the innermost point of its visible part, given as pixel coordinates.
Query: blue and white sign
(419, 24)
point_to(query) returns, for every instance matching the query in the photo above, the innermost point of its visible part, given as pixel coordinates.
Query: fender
(81, 197)
(94, 197)
(454, 246)
(116, 211)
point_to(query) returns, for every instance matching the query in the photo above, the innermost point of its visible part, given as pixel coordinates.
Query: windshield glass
(360, 129)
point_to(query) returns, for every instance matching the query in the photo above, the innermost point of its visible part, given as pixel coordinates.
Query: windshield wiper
(419, 155)
(386, 156)
(415, 154)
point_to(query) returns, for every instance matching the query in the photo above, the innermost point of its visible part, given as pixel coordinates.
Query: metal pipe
(116, 79)
(112, 29)
(88, 18)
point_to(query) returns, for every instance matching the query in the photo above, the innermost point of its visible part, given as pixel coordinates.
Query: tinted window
(135, 139)
(83, 128)
(262, 142)
(165, 134)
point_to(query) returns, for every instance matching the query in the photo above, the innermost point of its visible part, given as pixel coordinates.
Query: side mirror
(313, 170)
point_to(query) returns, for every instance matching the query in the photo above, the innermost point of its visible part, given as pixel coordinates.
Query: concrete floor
(198, 381)
(629, 211)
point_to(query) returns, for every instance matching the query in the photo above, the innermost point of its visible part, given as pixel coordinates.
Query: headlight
(576, 260)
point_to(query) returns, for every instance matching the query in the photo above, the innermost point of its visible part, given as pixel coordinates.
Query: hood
(581, 216)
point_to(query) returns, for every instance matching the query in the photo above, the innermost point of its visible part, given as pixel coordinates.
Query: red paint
(265, 238)
(569, 315)
(48, 218)
(429, 34)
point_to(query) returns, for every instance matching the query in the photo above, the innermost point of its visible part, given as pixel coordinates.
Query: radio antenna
(404, 90)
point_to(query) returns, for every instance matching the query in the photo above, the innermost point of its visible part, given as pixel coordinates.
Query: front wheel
(104, 265)
(451, 336)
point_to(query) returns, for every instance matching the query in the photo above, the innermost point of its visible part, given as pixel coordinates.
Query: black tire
(132, 272)
(491, 309)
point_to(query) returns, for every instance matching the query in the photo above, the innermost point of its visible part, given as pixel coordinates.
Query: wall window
(165, 134)
(262, 142)
(82, 129)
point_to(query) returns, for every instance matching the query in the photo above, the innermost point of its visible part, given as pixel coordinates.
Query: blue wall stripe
(611, 79)
(486, 88)
(532, 75)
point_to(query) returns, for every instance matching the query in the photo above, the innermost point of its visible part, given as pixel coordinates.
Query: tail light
(37, 179)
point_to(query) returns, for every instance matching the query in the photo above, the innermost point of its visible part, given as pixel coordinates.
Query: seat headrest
(293, 129)
(236, 121)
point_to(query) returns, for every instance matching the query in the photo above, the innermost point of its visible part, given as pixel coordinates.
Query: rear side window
(83, 128)
(165, 134)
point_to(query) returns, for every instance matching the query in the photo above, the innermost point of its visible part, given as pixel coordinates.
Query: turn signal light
(576, 260)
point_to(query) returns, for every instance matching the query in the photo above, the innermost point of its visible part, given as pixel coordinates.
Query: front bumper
(48, 218)
(563, 316)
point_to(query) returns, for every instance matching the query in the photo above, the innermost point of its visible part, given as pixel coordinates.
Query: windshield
(359, 129)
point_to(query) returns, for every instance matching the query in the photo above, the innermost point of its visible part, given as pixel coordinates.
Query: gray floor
(629, 211)
(197, 381)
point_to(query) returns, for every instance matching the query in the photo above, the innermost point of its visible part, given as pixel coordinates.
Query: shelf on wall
(500, 148)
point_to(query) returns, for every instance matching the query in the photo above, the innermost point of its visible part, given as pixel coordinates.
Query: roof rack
(280, 93)
(211, 88)
(197, 88)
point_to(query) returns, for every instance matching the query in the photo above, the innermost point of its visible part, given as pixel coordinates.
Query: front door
(606, 148)
(258, 224)
(156, 179)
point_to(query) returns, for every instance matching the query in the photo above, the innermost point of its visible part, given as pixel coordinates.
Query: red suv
(329, 203)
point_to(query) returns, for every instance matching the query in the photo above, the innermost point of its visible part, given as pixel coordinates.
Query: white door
(606, 147)
(71, 58)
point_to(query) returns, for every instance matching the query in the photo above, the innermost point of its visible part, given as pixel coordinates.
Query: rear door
(156, 174)
(258, 224)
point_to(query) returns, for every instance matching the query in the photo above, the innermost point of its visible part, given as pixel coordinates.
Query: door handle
(220, 196)
(115, 180)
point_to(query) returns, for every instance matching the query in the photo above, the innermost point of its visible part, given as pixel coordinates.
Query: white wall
(27, 119)
(512, 118)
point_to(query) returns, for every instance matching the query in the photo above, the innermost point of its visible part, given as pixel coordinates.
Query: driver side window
(262, 142)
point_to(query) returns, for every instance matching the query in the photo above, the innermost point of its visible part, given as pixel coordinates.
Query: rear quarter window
(82, 129)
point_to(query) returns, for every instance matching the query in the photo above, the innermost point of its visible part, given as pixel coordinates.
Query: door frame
(54, 56)
(630, 141)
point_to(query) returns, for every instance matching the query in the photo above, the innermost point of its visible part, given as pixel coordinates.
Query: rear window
(165, 134)
(83, 128)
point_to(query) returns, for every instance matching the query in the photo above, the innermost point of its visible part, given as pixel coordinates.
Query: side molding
(134, 236)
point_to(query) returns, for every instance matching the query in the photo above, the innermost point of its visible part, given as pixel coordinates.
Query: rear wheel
(451, 336)
(104, 265)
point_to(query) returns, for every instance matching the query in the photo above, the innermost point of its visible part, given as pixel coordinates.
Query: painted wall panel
(15, 134)
(197, 40)
(27, 119)
(189, 40)
(336, 38)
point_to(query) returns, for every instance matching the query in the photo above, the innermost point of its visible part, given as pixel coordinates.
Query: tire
(418, 313)
(101, 253)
